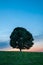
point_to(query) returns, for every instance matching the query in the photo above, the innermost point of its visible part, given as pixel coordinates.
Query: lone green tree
(21, 38)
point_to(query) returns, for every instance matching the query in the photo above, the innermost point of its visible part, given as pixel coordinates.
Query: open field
(21, 58)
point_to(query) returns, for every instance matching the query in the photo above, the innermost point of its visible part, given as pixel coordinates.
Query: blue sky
(22, 13)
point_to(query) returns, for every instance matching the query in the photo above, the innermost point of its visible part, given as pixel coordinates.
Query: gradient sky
(23, 13)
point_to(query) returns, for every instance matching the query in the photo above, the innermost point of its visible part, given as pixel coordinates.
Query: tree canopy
(21, 38)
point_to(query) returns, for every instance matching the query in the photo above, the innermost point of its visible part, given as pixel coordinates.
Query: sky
(20, 13)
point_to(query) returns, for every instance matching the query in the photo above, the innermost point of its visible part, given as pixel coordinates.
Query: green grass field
(21, 58)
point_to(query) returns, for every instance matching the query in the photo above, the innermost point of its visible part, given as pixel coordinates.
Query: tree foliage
(21, 38)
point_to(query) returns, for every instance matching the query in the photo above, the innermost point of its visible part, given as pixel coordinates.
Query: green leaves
(21, 38)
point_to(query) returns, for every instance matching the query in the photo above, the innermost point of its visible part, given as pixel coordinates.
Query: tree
(21, 38)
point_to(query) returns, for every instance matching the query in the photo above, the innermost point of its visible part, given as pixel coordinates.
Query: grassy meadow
(21, 58)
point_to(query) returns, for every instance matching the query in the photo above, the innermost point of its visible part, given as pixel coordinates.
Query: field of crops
(21, 58)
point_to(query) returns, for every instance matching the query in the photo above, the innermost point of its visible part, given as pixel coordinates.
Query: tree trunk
(20, 50)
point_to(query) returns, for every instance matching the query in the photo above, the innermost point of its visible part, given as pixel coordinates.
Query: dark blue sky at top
(23, 13)
(33, 6)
